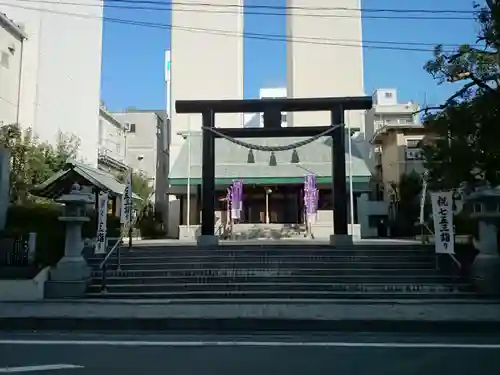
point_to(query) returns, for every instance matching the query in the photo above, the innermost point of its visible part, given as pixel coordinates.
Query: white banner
(442, 214)
(102, 216)
(126, 203)
(422, 201)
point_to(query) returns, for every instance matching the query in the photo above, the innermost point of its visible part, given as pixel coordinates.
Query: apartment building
(12, 40)
(61, 70)
(112, 150)
(394, 132)
(147, 149)
(319, 64)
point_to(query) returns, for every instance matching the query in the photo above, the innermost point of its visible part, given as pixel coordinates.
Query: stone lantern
(71, 275)
(484, 206)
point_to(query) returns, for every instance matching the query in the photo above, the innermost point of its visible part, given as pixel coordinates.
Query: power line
(273, 35)
(284, 7)
(257, 36)
(198, 8)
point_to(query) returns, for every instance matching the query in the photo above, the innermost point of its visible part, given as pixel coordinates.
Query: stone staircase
(273, 271)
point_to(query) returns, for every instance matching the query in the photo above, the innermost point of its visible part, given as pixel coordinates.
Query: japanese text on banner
(442, 213)
(126, 202)
(102, 223)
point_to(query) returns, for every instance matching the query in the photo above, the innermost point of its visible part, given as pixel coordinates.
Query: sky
(133, 56)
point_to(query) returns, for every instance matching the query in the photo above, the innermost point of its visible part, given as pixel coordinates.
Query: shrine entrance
(272, 109)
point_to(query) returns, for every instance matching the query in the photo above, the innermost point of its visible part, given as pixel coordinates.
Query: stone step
(272, 290)
(278, 295)
(244, 266)
(125, 259)
(277, 246)
(235, 279)
(230, 271)
(346, 285)
(304, 250)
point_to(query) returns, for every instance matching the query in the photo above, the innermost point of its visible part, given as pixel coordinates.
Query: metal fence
(14, 250)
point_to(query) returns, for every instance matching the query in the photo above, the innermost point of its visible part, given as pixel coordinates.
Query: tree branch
(449, 101)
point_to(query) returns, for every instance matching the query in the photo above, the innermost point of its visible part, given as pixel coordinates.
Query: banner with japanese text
(442, 214)
(126, 203)
(102, 216)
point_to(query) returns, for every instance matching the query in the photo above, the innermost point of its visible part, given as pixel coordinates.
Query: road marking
(396, 345)
(62, 366)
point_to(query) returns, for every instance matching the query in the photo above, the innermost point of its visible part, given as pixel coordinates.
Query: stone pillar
(71, 276)
(340, 196)
(486, 266)
(363, 218)
(207, 237)
(4, 185)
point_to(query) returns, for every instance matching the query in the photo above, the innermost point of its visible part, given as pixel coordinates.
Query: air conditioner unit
(413, 154)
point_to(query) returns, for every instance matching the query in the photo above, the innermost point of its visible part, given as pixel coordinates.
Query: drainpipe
(19, 82)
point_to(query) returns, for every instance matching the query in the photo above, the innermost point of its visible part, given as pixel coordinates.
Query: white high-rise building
(256, 120)
(330, 62)
(61, 69)
(205, 65)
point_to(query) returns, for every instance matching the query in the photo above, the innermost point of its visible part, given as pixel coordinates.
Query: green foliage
(408, 192)
(465, 152)
(140, 185)
(33, 162)
(149, 224)
(43, 220)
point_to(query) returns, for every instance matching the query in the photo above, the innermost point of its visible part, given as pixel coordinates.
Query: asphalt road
(261, 354)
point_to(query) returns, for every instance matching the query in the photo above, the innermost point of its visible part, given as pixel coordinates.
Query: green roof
(231, 161)
(55, 185)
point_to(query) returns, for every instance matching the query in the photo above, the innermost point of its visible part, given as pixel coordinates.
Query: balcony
(382, 128)
(111, 161)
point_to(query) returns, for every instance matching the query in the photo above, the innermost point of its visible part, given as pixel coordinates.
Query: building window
(4, 59)
(413, 143)
(388, 94)
(131, 128)
(413, 150)
(283, 118)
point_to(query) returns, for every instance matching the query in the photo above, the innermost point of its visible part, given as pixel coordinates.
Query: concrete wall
(61, 70)
(11, 51)
(142, 144)
(204, 65)
(24, 290)
(394, 163)
(112, 136)
(147, 150)
(367, 208)
(328, 69)
(4, 185)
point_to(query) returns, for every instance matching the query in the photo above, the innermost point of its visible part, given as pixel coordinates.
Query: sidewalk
(402, 316)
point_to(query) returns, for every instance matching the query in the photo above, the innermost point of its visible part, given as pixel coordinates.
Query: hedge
(44, 221)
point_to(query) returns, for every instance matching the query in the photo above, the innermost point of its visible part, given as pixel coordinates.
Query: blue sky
(133, 56)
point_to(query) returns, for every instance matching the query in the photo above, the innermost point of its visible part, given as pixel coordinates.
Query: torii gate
(272, 109)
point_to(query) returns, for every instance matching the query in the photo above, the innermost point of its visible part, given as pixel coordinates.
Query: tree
(140, 184)
(407, 191)
(33, 162)
(464, 151)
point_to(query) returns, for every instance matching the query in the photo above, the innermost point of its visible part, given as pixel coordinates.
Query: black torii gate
(272, 108)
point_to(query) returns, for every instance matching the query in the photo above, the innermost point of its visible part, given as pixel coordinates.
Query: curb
(215, 325)
(308, 302)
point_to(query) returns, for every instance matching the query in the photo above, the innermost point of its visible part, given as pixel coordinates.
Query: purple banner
(311, 194)
(236, 198)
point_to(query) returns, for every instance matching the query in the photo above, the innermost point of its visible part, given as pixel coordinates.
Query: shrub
(44, 221)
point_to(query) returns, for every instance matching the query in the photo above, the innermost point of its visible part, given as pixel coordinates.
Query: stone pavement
(411, 316)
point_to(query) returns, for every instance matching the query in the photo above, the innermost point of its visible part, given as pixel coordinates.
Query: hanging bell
(251, 157)
(272, 160)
